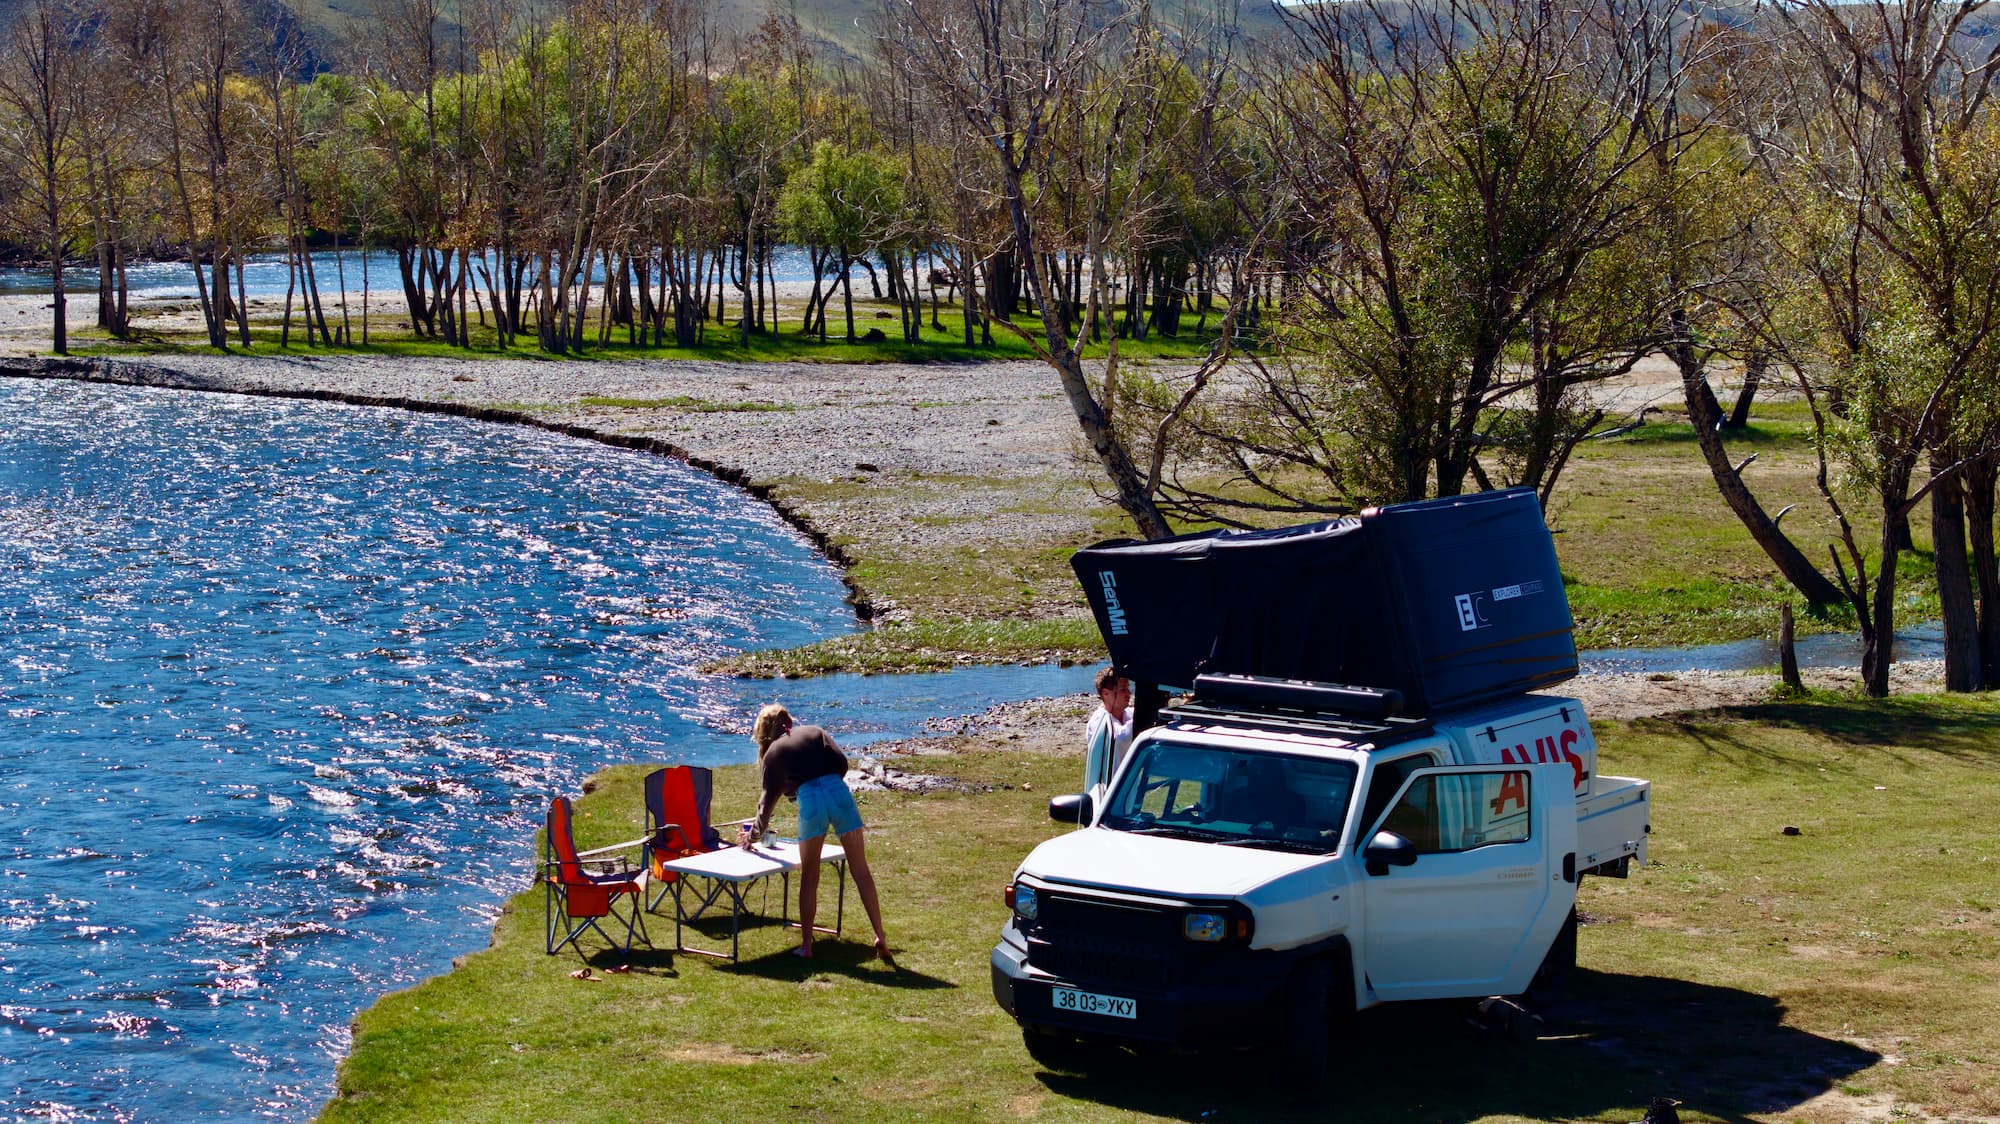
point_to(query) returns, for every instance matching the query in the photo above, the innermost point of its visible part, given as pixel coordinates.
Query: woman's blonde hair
(771, 724)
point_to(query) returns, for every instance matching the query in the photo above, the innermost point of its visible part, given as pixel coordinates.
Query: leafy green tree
(1885, 164)
(844, 199)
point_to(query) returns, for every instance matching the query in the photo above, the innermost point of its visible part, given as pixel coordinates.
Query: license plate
(1091, 1003)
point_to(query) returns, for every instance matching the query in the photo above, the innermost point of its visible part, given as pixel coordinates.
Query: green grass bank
(1845, 972)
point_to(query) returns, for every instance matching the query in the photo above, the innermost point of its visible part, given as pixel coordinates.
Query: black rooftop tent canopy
(1447, 601)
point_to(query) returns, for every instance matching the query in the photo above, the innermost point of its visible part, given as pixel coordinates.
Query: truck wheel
(1307, 1026)
(1056, 1051)
(1558, 965)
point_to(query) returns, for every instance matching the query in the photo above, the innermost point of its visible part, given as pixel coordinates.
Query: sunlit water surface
(270, 275)
(287, 687)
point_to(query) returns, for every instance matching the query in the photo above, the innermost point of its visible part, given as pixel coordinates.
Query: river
(288, 686)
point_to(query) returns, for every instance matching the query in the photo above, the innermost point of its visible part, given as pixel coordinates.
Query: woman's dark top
(804, 753)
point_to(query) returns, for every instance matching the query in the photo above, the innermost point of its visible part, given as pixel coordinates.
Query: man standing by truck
(1109, 734)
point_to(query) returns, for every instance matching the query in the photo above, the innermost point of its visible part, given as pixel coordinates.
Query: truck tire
(1057, 1051)
(1317, 1001)
(1558, 964)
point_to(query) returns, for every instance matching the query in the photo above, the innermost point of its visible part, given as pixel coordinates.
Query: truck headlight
(1205, 927)
(1027, 904)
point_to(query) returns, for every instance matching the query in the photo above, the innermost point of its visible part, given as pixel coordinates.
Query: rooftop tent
(1475, 594)
(1152, 604)
(1447, 601)
(1297, 603)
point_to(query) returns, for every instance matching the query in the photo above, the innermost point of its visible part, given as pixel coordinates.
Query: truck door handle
(1569, 867)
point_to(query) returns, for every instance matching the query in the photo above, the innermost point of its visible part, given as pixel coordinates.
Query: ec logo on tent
(1468, 613)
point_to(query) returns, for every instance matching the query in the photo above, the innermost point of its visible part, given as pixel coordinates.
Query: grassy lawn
(1654, 557)
(389, 333)
(1849, 970)
(928, 645)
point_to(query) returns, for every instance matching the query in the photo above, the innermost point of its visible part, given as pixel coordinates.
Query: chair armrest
(625, 846)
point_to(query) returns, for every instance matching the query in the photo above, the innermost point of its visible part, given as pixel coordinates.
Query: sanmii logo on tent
(1114, 613)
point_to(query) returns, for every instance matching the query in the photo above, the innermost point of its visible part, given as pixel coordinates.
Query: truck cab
(1289, 867)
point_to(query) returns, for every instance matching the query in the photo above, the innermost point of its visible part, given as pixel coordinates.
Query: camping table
(733, 871)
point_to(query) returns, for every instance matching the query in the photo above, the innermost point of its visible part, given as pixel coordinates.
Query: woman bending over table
(802, 761)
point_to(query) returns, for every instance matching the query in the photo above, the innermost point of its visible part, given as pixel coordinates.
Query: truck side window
(1460, 812)
(1388, 778)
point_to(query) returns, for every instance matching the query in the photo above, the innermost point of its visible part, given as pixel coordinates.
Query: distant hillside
(840, 26)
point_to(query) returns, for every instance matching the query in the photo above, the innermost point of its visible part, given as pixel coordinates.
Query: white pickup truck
(1282, 854)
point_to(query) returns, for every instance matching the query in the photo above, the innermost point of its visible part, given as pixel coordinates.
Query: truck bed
(1611, 824)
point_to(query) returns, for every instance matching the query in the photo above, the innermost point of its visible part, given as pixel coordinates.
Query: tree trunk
(1979, 503)
(1703, 414)
(61, 305)
(1954, 581)
(1788, 652)
(1878, 631)
(242, 299)
(1878, 617)
(847, 291)
(1127, 483)
(1753, 376)
(413, 291)
(292, 270)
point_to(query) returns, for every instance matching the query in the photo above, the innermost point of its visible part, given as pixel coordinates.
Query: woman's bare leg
(864, 884)
(809, 850)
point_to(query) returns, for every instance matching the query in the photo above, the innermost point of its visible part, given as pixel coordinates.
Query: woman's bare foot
(803, 952)
(882, 950)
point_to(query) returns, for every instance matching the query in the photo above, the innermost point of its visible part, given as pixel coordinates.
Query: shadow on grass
(763, 954)
(850, 956)
(657, 961)
(1614, 1044)
(1967, 731)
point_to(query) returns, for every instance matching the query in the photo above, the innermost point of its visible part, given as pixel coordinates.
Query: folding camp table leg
(707, 900)
(735, 891)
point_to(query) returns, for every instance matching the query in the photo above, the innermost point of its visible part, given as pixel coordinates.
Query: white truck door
(1478, 909)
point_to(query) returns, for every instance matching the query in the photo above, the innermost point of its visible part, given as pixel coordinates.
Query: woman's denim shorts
(826, 805)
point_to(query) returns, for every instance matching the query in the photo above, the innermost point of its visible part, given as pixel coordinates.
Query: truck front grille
(1089, 940)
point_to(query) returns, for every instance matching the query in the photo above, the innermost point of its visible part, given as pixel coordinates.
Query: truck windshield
(1232, 796)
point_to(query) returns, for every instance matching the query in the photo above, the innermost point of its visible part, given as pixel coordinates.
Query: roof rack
(1286, 720)
(1298, 705)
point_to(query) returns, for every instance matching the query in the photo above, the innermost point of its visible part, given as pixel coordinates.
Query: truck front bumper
(1188, 1015)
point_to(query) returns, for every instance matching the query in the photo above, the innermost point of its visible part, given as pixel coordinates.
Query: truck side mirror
(1387, 849)
(1074, 808)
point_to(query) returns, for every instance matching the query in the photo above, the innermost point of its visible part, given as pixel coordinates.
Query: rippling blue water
(286, 686)
(268, 275)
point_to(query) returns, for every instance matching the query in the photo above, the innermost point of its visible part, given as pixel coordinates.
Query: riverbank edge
(122, 372)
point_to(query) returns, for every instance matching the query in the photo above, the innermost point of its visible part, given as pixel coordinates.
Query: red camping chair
(575, 899)
(677, 803)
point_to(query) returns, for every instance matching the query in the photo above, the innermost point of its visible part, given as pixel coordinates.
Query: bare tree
(1894, 226)
(112, 138)
(1014, 72)
(38, 90)
(1462, 171)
